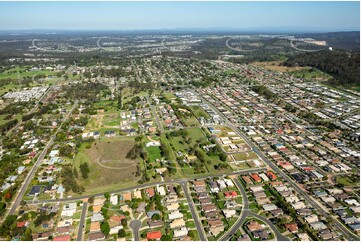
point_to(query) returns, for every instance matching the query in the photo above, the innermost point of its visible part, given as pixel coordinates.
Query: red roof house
(22, 224)
(62, 238)
(155, 235)
(150, 191)
(231, 194)
(247, 180)
(271, 175)
(256, 177)
(292, 227)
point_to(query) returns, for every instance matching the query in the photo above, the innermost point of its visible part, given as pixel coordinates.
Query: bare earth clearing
(108, 164)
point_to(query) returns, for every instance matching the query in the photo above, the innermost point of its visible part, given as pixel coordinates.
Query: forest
(342, 65)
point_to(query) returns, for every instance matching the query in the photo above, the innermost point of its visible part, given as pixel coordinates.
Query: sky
(328, 16)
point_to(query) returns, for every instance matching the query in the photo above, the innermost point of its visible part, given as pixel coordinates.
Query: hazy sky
(157, 15)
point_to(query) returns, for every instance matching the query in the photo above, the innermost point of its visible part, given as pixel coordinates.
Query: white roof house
(175, 215)
(97, 217)
(180, 232)
(161, 190)
(68, 210)
(229, 182)
(228, 213)
(113, 199)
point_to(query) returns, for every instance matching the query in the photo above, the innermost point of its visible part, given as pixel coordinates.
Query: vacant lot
(154, 153)
(244, 156)
(275, 66)
(199, 112)
(108, 164)
(111, 120)
(95, 122)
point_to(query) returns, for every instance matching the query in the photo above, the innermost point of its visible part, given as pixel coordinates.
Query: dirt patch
(275, 66)
(95, 122)
(108, 163)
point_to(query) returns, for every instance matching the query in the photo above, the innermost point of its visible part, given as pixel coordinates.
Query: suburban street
(195, 216)
(347, 233)
(160, 126)
(34, 168)
(135, 226)
(82, 221)
(247, 213)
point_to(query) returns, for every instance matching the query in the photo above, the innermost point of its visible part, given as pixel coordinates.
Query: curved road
(239, 50)
(43, 49)
(296, 48)
(247, 213)
(135, 226)
(98, 44)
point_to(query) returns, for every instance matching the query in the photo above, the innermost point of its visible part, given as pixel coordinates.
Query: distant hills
(340, 40)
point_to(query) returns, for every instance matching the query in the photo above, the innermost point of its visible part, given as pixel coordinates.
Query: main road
(33, 170)
(142, 186)
(324, 211)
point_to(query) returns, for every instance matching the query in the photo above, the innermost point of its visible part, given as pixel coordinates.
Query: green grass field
(190, 121)
(244, 156)
(199, 112)
(310, 74)
(9, 74)
(346, 181)
(111, 119)
(109, 106)
(111, 153)
(154, 153)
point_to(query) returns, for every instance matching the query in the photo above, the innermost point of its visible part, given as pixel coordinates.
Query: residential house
(154, 235)
(161, 190)
(311, 218)
(63, 230)
(137, 194)
(155, 224)
(97, 217)
(269, 207)
(172, 206)
(115, 229)
(253, 225)
(114, 199)
(229, 213)
(127, 196)
(62, 238)
(209, 208)
(68, 210)
(215, 226)
(94, 226)
(177, 223)
(292, 227)
(150, 192)
(96, 236)
(318, 226)
(175, 215)
(213, 186)
(180, 232)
